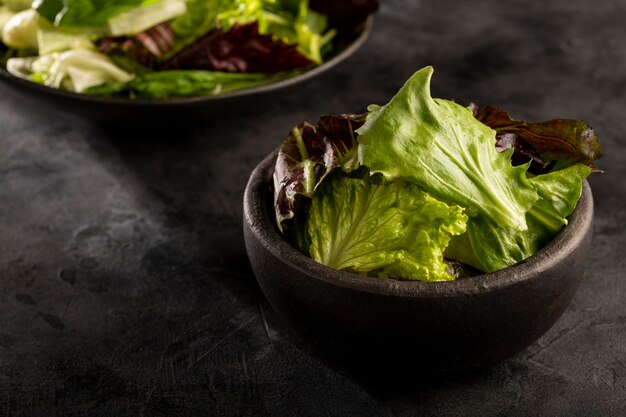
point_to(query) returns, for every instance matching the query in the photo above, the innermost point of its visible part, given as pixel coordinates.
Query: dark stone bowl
(457, 325)
(176, 110)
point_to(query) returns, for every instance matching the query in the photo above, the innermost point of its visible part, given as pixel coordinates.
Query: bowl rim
(260, 224)
(361, 35)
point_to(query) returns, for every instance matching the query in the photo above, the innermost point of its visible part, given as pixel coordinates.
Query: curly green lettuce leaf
(309, 154)
(395, 230)
(491, 247)
(551, 145)
(441, 147)
(183, 83)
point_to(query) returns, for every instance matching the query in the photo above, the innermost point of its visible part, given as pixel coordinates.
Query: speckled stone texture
(124, 284)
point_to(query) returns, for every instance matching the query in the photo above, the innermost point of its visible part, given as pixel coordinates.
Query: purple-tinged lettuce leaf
(309, 154)
(242, 49)
(551, 145)
(145, 48)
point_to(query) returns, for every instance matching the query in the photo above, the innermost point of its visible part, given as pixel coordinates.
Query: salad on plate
(424, 188)
(158, 49)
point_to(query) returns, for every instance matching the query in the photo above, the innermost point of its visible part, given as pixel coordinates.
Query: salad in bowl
(422, 188)
(160, 49)
(422, 235)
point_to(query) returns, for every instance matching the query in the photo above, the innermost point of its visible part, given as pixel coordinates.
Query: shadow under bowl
(188, 109)
(443, 326)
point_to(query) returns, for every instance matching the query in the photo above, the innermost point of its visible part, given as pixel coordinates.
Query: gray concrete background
(125, 288)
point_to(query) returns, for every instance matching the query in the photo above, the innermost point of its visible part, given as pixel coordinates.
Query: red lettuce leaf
(146, 47)
(240, 50)
(554, 144)
(309, 154)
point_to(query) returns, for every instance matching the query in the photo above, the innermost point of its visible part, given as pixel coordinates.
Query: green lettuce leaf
(491, 247)
(55, 39)
(441, 147)
(183, 83)
(269, 15)
(559, 192)
(81, 13)
(395, 230)
(311, 36)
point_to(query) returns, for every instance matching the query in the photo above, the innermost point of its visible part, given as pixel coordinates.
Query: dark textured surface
(124, 286)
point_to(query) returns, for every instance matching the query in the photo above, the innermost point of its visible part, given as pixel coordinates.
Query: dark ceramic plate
(122, 109)
(467, 323)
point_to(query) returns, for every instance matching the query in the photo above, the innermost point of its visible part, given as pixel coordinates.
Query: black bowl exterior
(117, 109)
(462, 324)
